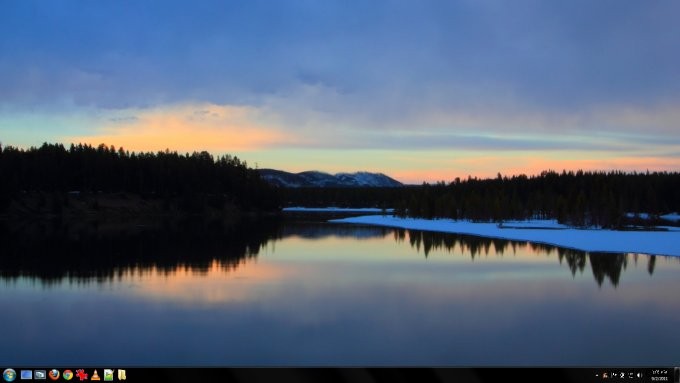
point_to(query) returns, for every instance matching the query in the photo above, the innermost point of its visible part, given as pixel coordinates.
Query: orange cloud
(188, 128)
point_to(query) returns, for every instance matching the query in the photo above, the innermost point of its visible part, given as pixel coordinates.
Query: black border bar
(370, 375)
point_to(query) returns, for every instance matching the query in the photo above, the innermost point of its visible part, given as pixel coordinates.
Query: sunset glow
(186, 129)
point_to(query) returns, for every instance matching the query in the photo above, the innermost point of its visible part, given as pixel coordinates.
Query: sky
(418, 90)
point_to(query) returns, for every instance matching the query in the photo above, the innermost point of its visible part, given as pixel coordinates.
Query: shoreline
(666, 243)
(120, 206)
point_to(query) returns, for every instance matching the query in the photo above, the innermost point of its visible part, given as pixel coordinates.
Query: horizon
(354, 171)
(422, 92)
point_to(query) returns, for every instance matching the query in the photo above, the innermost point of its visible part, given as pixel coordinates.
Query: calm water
(313, 293)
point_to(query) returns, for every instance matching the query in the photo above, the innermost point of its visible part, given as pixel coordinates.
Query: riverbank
(548, 232)
(121, 208)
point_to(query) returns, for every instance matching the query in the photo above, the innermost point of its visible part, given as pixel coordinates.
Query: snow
(315, 178)
(667, 217)
(591, 240)
(533, 224)
(669, 228)
(640, 215)
(337, 209)
(367, 179)
(671, 217)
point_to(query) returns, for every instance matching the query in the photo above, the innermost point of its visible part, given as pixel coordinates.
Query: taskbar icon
(9, 375)
(81, 374)
(54, 374)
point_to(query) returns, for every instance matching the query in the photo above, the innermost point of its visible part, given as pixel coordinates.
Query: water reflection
(272, 293)
(317, 230)
(101, 252)
(93, 251)
(604, 265)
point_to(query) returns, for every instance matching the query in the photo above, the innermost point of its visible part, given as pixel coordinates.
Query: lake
(306, 292)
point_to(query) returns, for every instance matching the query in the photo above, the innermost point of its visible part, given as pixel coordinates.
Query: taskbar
(341, 375)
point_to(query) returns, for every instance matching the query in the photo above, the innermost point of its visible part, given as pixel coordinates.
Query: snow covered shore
(547, 232)
(337, 210)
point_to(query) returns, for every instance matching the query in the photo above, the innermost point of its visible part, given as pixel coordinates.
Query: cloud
(613, 128)
(228, 128)
(384, 59)
(188, 128)
(124, 119)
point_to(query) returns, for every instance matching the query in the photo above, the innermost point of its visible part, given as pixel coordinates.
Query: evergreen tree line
(575, 198)
(105, 169)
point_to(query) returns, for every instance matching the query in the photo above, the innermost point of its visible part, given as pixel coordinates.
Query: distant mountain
(321, 179)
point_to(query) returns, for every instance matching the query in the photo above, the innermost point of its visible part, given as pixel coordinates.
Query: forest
(580, 198)
(198, 182)
(187, 182)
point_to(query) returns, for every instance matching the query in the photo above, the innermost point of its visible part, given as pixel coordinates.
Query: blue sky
(421, 90)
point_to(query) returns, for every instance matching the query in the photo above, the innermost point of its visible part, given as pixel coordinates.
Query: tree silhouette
(196, 180)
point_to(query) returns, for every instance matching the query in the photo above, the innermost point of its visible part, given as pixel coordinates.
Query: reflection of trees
(608, 265)
(604, 265)
(399, 235)
(473, 245)
(576, 260)
(102, 252)
(651, 264)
